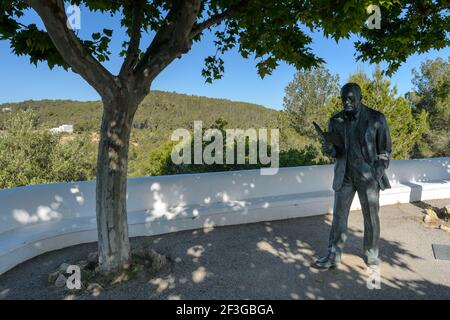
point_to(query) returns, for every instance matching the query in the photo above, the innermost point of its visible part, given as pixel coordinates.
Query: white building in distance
(65, 128)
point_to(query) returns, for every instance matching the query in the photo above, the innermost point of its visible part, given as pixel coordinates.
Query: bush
(32, 155)
(74, 160)
(310, 155)
(159, 161)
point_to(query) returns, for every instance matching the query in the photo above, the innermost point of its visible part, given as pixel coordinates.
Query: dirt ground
(267, 260)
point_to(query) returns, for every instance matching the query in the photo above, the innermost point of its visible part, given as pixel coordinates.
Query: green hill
(159, 114)
(159, 111)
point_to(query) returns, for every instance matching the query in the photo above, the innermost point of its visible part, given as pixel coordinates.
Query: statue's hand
(327, 149)
(379, 169)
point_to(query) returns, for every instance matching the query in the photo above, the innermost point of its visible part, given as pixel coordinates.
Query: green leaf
(108, 32)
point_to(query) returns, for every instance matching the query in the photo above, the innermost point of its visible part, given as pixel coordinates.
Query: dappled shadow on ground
(268, 260)
(279, 266)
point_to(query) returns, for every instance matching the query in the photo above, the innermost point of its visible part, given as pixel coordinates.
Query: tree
(431, 94)
(159, 162)
(270, 31)
(307, 97)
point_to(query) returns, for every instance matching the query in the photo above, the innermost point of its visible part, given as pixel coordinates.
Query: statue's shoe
(330, 261)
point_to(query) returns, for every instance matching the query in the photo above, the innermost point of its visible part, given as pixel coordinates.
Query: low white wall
(41, 218)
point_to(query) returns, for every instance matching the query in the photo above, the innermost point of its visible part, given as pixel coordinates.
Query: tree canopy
(269, 31)
(313, 96)
(431, 95)
(307, 97)
(405, 127)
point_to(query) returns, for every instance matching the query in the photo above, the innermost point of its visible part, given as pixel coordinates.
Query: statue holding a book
(358, 138)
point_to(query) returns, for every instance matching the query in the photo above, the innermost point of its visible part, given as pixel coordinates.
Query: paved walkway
(270, 260)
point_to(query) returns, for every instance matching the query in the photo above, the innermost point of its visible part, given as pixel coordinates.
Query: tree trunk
(112, 163)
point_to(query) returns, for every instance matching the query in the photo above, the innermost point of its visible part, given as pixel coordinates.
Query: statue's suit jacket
(375, 143)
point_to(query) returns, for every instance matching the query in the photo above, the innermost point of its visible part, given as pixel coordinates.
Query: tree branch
(199, 27)
(135, 38)
(172, 40)
(53, 15)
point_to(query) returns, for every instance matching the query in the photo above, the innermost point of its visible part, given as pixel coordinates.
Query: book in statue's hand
(331, 137)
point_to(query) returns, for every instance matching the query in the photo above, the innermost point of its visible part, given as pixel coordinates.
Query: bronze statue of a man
(360, 167)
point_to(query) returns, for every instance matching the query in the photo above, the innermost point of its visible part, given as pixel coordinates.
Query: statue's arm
(384, 144)
(328, 148)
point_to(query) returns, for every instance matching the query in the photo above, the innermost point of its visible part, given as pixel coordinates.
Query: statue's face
(351, 99)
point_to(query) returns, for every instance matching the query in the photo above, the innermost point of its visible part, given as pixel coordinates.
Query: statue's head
(351, 97)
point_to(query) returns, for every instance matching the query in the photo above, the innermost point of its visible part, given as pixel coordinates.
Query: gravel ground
(267, 260)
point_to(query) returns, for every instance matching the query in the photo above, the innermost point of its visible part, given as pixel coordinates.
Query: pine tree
(307, 97)
(431, 94)
(378, 94)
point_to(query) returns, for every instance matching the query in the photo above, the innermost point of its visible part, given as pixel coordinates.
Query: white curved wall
(41, 218)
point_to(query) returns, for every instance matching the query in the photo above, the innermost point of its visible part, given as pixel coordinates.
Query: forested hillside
(162, 111)
(25, 124)
(30, 154)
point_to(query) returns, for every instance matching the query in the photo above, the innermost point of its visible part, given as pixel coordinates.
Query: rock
(94, 288)
(82, 264)
(60, 281)
(92, 257)
(139, 251)
(53, 276)
(63, 267)
(446, 210)
(427, 218)
(444, 227)
(433, 215)
(158, 261)
(152, 258)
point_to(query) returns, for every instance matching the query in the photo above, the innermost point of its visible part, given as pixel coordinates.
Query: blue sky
(20, 80)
